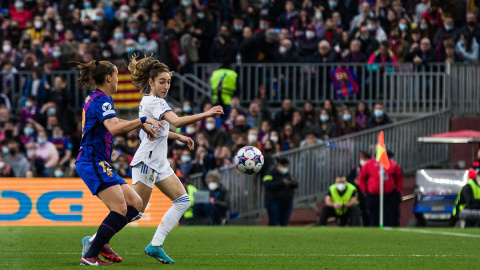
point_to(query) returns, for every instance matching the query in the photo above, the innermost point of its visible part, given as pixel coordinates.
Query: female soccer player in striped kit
(99, 123)
(150, 160)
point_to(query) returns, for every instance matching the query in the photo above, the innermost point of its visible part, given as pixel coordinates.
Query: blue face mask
(186, 159)
(86, 5)
(18, 5)
(51, 111)
(134, 31)
(56, 54)
(201, 15)
(41, 140)
(423, 27)
(347, 117)
(142, 40)
(58, 174)
(378, 113)
(324, 118)
(30, 153)
(99, 18)
(28, 131)
(117, 35)
(5, 150)
(237, 27)
(332, 5)
(186, 3)
(187, 109)
(57, 137)
(130, 49)
(263, 27)
(402, 26)
(371, 27)
(448, 27)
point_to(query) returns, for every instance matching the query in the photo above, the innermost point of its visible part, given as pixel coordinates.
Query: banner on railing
(344, 81)
(63, 202)
(127, 96)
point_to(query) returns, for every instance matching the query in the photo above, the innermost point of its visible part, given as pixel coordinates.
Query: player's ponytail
(145, 69)
(93, 72)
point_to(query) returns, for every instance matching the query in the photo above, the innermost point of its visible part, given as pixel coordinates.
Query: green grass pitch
(232, 247)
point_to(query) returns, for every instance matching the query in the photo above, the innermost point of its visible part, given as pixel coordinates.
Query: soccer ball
(249, 160)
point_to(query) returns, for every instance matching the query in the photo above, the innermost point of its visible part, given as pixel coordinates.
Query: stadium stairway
(309, 217)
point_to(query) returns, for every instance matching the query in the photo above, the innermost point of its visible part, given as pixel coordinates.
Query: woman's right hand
(217, 110)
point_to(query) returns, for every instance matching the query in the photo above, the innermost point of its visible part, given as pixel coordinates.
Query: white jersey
(153, 153)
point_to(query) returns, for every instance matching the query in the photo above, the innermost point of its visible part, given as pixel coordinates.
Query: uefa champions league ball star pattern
(249, 160)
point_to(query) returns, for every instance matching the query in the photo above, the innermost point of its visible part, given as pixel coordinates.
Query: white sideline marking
(440, 233)
(268, 255)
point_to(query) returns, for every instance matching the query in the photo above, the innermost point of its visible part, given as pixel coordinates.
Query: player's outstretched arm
(186, 140)
(117, 126)
(173, 119)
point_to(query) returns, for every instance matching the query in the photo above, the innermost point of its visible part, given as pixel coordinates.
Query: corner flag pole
(384, 164)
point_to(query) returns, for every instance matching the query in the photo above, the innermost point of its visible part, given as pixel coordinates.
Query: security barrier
(63, 202)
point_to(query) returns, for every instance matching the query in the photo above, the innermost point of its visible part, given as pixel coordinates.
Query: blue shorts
(98, 176)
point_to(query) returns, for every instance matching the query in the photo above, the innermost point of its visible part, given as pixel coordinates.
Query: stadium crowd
(42, 36)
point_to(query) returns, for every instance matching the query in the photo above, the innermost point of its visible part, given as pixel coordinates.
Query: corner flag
(382, 157)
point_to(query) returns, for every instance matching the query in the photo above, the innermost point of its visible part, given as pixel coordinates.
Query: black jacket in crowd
(275, 189)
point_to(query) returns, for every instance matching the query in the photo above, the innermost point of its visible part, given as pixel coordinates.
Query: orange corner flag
(382, 157)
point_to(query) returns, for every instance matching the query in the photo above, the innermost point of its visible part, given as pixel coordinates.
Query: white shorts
(142, 173)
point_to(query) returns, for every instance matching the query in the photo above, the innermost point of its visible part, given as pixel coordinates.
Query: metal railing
(316, 166)
(405, 89)
(20, 79)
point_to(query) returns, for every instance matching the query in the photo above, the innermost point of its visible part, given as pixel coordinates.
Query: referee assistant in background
(369, 183)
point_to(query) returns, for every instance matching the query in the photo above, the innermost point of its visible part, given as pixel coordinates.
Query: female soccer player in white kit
(149, 165)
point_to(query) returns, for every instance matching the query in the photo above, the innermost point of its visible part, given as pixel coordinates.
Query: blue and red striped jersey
(97, 141)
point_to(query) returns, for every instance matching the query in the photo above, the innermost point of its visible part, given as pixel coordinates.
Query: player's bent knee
(182, 203)
(121, 209)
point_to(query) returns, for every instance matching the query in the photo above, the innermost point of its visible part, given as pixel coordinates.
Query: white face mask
(252, 138)
(59, 27)
(341, 186)
(38, 24)
(210, 126)
(310, 34)
(7, 48)
(190, 130)
(282, 50)
(362, 162)
(274, 139)
(212, 186)
(283, 170)
(2, 165)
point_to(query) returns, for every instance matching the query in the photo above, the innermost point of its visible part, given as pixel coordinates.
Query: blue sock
(112, 224)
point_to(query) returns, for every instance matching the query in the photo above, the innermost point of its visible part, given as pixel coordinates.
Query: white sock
(93, 237)
(171, 217)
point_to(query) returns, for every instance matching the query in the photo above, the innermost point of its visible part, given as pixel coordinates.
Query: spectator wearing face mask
(147, 46)
(185, 163)
(279, 191)
(352, 178)
(29, 133)
(117, 43)
(286, 52)
(214, 135)
(326, 129)
(379, 118)
(341, 203)
(36, 164)
(47, 151)
(63, 145)
(216, 210)
(5, 170)
(307, 45)
(29, 111)
(16, 160)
